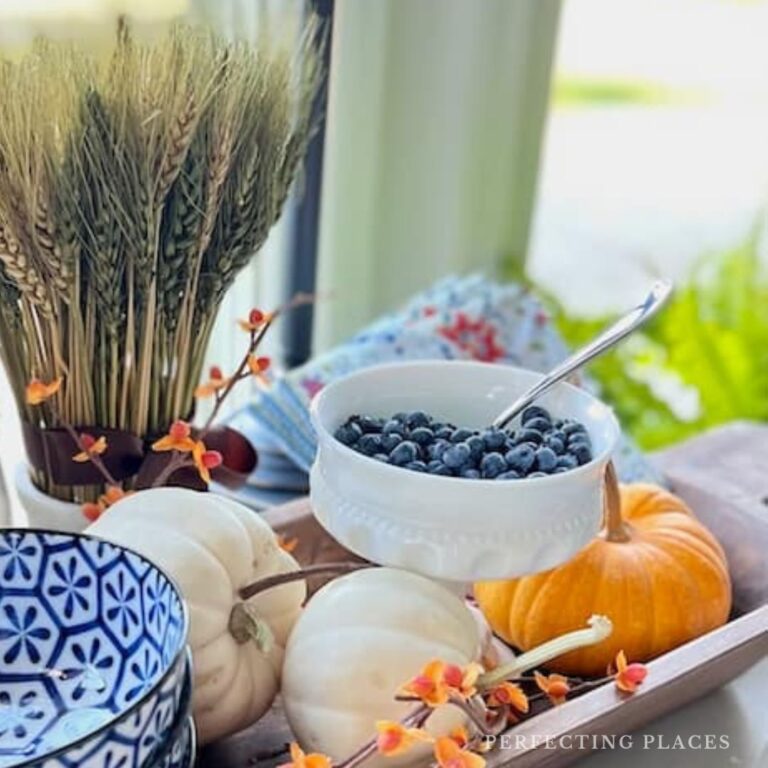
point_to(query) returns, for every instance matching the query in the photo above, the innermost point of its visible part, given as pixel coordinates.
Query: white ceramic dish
(452, 528)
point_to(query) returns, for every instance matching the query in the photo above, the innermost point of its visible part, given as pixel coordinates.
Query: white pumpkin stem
(278, 579)
(246, 626)
(599, 628)
(615, 528)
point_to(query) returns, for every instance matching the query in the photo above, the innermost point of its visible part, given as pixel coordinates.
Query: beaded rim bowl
(447, 527)
(92, 637)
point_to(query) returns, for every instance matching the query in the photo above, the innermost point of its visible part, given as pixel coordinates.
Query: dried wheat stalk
(132, 191)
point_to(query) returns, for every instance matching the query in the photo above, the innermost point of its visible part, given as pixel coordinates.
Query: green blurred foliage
(601, 92)
(703, 361)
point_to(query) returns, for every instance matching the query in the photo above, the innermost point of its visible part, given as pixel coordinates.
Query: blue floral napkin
(467, 318)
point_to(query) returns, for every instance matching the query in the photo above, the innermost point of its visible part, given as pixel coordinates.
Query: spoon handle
(619, 330)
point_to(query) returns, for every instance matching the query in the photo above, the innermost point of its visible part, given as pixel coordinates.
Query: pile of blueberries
(540, 446)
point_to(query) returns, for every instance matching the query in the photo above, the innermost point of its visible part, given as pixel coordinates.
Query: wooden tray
(724, 476)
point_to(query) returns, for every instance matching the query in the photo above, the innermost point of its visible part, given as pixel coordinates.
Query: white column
(435, 115)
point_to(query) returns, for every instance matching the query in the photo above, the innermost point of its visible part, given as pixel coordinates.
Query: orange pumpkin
(654, 570)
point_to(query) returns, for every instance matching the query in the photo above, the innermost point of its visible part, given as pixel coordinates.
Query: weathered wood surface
(724, 476)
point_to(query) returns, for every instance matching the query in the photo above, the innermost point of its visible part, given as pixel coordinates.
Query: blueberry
(369, 444)
(437, 449)
(476, 446)
(470, 474)
(567, 462)
(494, 439)
(369, 424)
(457, 455)
(348, 433)
(393, 427)
(579, 438)
(416, 466)
(492, 465)
(581, 453)
(422, 435)
(389, 440)
(417, 419)
(560, 470)
(510, 474)
(521, 458)
(557, 434)
(528, 436)
(534, 412)
(400, 416)
(509, 443)
(554, 444)
(381, 457)
(569, 427)
(546, 459)
(460, 435)
(404, 453)
(538, 474)
(444, 432)
(578, 448)
(438, 468)
(540, 425)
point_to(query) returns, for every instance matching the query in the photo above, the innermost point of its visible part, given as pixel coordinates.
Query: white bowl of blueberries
(409, 474)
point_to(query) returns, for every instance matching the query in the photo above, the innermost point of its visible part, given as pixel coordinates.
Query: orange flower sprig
(301, 760)
(490, 707)
(395, 739)
(449, 754)
(37, 391)
(89, 448)
(190, 451)
(554, 686)
(286, 544)
(256, 326)
(627, 676)
(187, 452)
(509, 695)
(186, 449)
(93, 510)
(438, 683)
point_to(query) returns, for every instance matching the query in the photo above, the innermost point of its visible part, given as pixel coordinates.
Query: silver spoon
(612, 335)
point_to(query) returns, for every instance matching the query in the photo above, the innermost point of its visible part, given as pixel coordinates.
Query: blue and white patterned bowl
(92, 653)
(184, 751)
(180, 748)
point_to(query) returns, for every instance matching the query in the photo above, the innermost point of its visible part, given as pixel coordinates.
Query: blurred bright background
(655, 150)
(655, 163)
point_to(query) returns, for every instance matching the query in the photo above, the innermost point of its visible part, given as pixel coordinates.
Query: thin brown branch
(321, 569)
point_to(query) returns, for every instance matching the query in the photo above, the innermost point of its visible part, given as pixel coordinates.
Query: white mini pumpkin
(213, 547)
(357, 641)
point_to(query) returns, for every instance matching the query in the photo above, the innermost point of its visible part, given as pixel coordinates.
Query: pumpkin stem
(246, 625)
(599, 628)
(269, 582)
(616, 529)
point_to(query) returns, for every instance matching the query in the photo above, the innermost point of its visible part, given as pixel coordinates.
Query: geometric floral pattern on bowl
(184, 750)
(92, 661)
(180, 748)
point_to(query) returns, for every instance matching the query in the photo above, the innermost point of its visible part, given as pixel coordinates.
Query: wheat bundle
(132, 191)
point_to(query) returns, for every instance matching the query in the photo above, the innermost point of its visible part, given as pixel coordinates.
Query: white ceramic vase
(43, 511)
